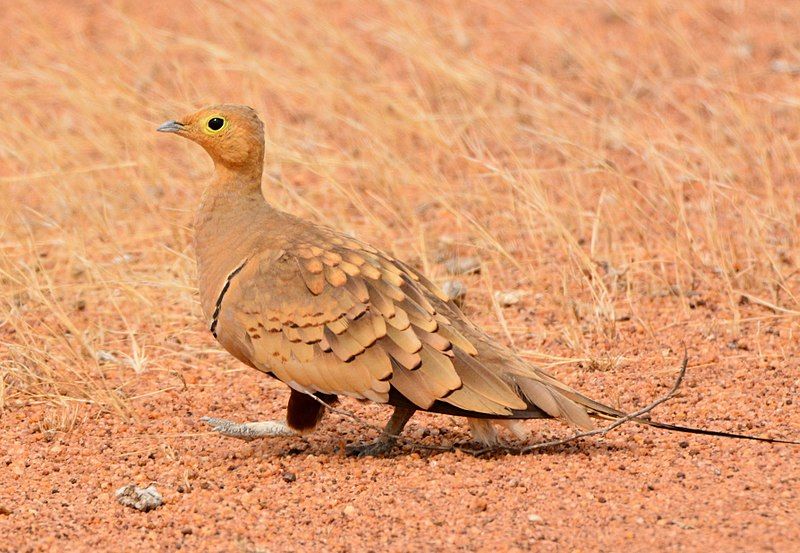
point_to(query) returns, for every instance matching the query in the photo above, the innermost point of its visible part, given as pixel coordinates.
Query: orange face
(231, 134)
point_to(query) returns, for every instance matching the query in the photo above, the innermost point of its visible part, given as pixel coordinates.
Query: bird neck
(230, 222)
(237, 180)
(233, 195)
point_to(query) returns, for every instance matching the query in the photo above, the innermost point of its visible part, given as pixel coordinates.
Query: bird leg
(248, 431)
(388, 437)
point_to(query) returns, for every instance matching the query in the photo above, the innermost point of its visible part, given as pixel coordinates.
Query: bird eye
(215, 123)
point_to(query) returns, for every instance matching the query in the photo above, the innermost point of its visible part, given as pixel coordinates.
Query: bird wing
(334, 315)
(331, 314)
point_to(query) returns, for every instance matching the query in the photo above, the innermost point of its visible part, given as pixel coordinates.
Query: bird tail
(560, 401)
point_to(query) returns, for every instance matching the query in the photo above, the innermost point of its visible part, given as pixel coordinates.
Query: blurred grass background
(623, 163)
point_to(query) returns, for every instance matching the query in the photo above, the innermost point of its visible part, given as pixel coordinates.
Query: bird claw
(379, 447)
(248, 431)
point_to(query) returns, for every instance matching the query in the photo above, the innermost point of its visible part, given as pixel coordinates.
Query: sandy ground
(638, 489)
(631, 166)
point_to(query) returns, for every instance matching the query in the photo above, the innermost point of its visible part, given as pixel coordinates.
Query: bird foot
(381, 446)
(249, 431)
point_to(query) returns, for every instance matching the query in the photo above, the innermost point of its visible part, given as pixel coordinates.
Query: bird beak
(171, 126)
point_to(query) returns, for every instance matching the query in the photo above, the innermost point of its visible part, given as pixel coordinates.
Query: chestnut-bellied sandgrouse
(329, 315)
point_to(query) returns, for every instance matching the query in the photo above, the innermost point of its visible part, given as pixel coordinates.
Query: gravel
(141, 499)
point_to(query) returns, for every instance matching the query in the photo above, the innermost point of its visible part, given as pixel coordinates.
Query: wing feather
(335, 316)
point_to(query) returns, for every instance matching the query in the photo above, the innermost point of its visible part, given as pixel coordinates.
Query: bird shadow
(336, 447)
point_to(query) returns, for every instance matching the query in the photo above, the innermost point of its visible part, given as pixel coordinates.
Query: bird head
(232, 135)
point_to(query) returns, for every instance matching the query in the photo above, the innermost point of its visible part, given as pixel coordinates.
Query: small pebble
(141, 499)
(124, 258)
(106, 357)
(743, 50)
(533, 517)
(463, 266)
(783, 66)
(349, 510)
(507, 299)
(289, 477)
(455, 290)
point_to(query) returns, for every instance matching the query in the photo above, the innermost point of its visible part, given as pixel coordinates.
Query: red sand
(78, 66)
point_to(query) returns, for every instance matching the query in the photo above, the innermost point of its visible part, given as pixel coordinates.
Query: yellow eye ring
(214, 124)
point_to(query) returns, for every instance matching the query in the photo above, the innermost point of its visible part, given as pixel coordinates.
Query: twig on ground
(532, 447)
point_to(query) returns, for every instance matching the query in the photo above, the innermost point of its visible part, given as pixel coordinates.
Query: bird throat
(229, 226)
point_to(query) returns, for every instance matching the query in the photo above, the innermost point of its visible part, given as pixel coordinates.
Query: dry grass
(608, 157)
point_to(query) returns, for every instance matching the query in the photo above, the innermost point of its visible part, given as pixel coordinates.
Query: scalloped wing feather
(333, 315)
